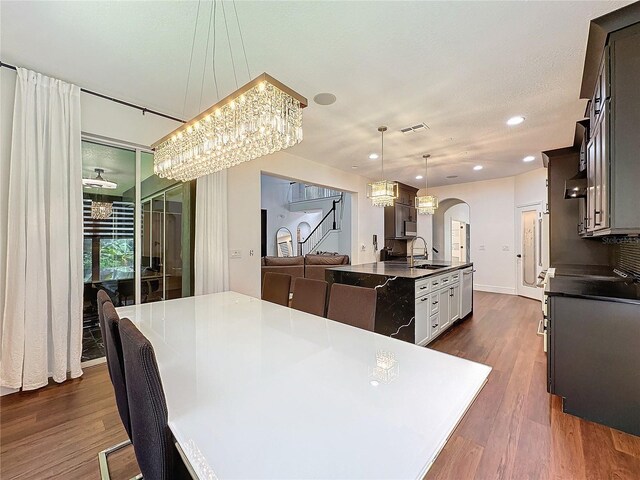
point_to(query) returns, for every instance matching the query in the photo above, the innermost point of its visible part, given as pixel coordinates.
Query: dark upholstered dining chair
(102, 297)
(115, 364)
(275, 288)
(310, 296)
(153, 445)
(355, 306)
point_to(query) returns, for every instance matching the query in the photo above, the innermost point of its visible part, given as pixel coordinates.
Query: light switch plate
(505, 248)
(481, 247)
(236, 254)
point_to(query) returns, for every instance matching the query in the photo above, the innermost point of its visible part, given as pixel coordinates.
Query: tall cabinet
(613, 148)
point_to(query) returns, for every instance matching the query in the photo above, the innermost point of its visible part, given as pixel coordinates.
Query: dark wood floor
(514, 430)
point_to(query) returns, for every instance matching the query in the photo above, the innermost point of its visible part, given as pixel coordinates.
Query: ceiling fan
(98, 182)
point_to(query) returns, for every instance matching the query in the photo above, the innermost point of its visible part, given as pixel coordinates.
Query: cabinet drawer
(436, 283)
(434, 327)
(455, 277)
(434, 303)
(423, 287)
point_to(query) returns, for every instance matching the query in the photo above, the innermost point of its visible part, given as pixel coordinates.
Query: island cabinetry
(437, 305)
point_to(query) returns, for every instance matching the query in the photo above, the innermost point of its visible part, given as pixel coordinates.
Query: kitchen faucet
(410, 248)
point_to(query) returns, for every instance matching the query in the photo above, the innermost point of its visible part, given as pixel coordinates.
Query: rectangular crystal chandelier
(101, 210)
(382, 193)
(426, 204)
(262, 117)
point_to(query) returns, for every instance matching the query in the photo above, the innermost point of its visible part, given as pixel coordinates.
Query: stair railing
(327, 224)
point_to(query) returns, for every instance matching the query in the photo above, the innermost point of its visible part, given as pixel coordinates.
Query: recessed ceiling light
(529, 158)
(325, 98)
(374, 383)
(517, 120)
(373, 156)
(419, 177)
(478, 167)
(452, 176)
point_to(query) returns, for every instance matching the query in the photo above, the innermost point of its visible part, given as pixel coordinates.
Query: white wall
(244, 211)
(492, 217)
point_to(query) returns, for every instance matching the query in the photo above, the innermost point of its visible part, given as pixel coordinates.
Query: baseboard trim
(95, 361)
(494, 289)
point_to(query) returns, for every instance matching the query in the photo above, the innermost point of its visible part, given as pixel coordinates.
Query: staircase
(330, 223)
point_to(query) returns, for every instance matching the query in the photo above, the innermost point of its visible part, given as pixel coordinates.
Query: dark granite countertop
(395, 268)
(594, 282)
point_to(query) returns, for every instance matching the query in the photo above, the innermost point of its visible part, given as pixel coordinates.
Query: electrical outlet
(236, 254)
(505, 248)
(363, 248)
(481, 247)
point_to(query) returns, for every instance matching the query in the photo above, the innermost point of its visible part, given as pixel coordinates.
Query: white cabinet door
(454, 303)
(443, 304)
(422, 320)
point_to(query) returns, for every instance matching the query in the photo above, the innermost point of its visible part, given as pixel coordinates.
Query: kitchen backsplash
(627, 255)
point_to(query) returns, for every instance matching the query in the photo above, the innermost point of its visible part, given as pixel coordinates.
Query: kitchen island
(415, 304)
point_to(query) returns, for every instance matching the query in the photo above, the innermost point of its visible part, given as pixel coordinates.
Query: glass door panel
(173, 242)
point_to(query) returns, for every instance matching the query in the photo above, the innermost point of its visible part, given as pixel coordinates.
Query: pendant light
(426, 204)
(383, 192)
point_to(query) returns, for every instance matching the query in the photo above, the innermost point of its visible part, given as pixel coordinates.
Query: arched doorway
(452, 230)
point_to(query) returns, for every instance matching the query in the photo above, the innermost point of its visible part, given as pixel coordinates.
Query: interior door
(528, 250)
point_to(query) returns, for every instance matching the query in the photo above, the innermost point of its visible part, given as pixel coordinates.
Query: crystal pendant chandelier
(101, 210)
(426, 204)
(262, 117)
(383, 192)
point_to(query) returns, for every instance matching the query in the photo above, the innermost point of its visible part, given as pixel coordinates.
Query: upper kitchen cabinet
(613, 147)
(400, 218)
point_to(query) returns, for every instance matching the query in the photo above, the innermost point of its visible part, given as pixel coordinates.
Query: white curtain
(211, 257)
(42, 315)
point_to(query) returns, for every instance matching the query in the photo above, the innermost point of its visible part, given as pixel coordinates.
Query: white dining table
(257, 390)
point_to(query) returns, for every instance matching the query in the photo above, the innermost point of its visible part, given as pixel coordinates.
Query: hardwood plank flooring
(514, 430)
(517, 428)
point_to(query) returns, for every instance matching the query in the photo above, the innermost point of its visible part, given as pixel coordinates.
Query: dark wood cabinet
(402, 211)
(613, 150)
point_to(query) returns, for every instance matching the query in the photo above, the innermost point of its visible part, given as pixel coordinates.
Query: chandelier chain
(206, 56)
(382, 153)
(193, 44)
(213, 60)
(226, 26)
(246, 60)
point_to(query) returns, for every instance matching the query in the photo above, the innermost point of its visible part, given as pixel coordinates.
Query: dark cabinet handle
(597, 100)
(434, 326)
(519, 256)
(424, 299)
(422, 288)
(436, 283)
(435, 303)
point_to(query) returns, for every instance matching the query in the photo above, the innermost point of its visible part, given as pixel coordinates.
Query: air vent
(415, 128)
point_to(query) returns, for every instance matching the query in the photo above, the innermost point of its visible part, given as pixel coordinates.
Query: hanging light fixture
(262, 117)
(98, 182)
(101, 210)
(426, 204)
(383, 192)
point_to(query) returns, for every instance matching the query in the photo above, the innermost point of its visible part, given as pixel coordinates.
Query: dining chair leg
(104, 464)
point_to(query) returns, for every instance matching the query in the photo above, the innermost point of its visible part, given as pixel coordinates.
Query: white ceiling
(462, 68)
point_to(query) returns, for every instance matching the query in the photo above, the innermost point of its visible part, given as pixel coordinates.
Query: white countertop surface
(257, 390)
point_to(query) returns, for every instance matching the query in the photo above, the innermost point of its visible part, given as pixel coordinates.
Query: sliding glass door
(162, 262)
(133, 261)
